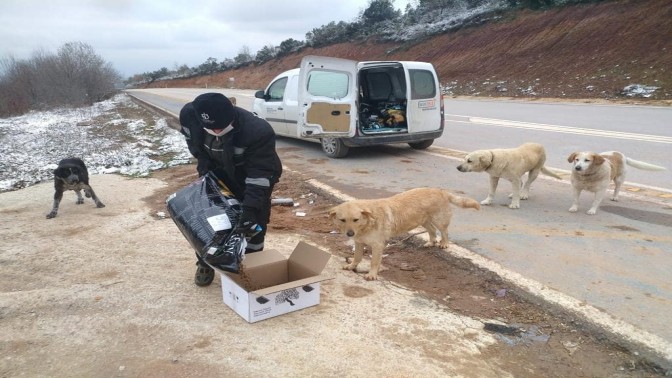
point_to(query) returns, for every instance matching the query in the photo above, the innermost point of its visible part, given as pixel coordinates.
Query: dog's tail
(642, 165)
(548, 172)
(464, 202)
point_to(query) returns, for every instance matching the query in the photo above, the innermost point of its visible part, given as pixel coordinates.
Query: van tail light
(442, 111)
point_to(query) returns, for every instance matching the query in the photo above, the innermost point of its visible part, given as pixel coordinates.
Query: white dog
(510, 164)
(593, 172)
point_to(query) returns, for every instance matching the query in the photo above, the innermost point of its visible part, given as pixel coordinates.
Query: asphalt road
(640, 132)
(612, 268)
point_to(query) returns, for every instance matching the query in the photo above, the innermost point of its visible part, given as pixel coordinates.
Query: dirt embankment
(588, 51)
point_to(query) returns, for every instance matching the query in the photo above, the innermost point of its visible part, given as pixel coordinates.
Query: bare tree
(91, 76)
(15, 86)
(244, 56)
(74, 76)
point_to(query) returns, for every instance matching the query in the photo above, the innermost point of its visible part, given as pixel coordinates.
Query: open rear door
(327, 97)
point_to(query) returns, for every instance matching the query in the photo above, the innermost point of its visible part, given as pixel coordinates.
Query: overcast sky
(139, 36)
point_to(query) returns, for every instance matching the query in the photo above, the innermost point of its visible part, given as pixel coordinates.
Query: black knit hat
(214, 110)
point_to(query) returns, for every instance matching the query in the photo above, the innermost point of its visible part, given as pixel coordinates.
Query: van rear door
(424, 110)
(327, 97)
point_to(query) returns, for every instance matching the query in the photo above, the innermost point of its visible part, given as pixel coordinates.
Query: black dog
(71, 174)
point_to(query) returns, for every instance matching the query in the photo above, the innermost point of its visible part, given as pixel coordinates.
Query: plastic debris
(501, 329)
(282, 201)
(570, 346)
(515, 334)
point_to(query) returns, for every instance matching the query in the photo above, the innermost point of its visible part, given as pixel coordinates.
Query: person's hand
(247, 224)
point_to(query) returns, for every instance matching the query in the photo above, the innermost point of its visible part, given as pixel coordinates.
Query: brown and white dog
(373, 222)
(510, 164)
(72, 174)
(593, 172)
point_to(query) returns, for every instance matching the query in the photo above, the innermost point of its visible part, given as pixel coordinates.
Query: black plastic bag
(206, 215)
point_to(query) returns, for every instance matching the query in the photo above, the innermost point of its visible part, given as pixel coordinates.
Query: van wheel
(334, 147)
(421, 145)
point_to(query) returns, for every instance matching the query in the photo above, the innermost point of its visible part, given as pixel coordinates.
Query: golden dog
(593, 172)
(373, 222)
(510, 164)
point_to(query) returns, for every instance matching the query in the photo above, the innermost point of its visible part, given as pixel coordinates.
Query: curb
(647, 345)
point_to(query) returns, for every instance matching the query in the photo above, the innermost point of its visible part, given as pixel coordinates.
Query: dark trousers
(256, 242)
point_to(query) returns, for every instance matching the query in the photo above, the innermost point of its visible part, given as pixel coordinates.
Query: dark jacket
(244, 159)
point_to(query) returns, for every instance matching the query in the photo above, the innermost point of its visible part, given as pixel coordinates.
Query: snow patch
(31, 145)
(639, 90)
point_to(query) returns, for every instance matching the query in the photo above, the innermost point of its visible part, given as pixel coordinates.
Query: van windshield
(277, 89)
(328, 84)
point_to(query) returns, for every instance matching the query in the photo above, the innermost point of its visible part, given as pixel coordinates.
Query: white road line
(566, 129)
(626, 331)
(629, 333)
(567, 173)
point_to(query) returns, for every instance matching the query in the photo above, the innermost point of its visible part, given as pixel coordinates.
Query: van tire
(334, 147)
(422, 144)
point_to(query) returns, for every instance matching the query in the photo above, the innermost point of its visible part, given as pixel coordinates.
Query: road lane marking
(627, 332)
(631, 335)
(565, 129)
(448, 154)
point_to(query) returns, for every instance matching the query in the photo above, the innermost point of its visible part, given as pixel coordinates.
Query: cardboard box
(280, 285)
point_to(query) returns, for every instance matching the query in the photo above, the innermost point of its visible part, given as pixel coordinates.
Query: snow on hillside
(31, 145)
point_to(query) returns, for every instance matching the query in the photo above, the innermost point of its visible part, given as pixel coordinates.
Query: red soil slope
(582, 51)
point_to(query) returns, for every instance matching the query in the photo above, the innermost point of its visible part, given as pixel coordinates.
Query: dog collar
(492, 158)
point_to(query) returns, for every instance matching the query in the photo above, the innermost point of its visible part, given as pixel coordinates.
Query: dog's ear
(367, 214)
(332, 214)
(485, 159)
(598, 159)
(572, 156)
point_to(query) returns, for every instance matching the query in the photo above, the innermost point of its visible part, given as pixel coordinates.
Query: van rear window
(422, 84)
(328, 84)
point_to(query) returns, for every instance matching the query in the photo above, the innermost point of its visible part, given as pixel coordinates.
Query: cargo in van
(342, 103)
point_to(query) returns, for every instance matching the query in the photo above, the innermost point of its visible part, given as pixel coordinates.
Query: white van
(342, 103)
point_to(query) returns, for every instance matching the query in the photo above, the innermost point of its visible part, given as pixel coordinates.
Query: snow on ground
(639, 90)
(31, 145)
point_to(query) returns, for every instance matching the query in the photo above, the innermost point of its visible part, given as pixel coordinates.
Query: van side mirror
(259, 94)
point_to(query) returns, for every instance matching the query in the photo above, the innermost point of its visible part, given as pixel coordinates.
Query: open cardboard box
(271, 284)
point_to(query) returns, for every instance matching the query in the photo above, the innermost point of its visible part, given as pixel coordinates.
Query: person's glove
(247, 224)
(202, 167)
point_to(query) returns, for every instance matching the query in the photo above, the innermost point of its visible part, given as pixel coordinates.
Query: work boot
(204, 274)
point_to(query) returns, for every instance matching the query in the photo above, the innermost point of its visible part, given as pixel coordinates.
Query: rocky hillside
(589, 51)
